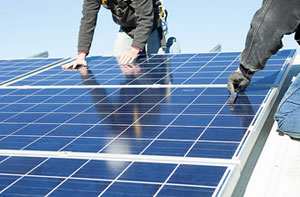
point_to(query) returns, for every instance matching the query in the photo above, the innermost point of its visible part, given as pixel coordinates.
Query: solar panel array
(11, 69)
(167, 141)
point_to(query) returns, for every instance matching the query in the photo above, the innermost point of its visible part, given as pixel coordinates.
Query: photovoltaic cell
(13, 68)
(78, 177)
(179, 69)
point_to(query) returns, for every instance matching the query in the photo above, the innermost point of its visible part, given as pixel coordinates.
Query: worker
(270, 23)
(139, 29)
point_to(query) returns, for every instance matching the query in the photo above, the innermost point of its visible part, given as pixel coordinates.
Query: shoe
(293, 136)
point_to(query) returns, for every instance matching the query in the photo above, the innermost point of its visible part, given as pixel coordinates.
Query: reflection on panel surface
(186, 69)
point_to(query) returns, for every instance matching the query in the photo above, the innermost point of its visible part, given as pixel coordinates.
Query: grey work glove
(239, 79)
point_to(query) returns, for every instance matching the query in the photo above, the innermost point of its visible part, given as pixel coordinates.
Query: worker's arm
(270, 23)
(88, 24)
(86, 33)
(145, 21)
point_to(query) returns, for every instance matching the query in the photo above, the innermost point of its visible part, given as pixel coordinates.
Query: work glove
(239, 79)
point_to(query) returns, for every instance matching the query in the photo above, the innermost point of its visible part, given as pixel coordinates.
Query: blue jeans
(288, 112)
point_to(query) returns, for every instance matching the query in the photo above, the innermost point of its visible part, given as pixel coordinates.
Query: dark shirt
(137, 20)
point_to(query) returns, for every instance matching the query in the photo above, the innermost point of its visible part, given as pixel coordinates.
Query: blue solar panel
(196, 122)
(78, 177)
(179, 69)
(14, 68)
(183, 123)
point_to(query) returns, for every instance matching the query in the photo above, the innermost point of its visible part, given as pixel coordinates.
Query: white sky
(32, 26)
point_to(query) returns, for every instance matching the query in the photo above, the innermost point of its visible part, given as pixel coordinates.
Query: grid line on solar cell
(96, 179)
(197, 69)
(160, 188)
(69, 177)
(131, 163)
(23, 175)
(123, 138)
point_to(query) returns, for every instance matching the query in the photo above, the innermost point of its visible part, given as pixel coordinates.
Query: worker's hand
(238, 80)
(129, 69)
(83, 70)
(80, 61)
(129, 56)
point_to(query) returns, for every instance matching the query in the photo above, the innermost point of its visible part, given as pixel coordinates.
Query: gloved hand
(239, 79)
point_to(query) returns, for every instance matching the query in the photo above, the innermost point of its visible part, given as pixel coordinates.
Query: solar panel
(12, 69)
(179, 69)
(196, 122)
(92, 133)
(79, 177)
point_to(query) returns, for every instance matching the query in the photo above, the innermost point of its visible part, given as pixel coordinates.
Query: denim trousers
(123, 44)
(288, 112)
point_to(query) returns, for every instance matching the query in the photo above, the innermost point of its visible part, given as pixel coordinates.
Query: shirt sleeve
(88, 24)
(145, 19)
